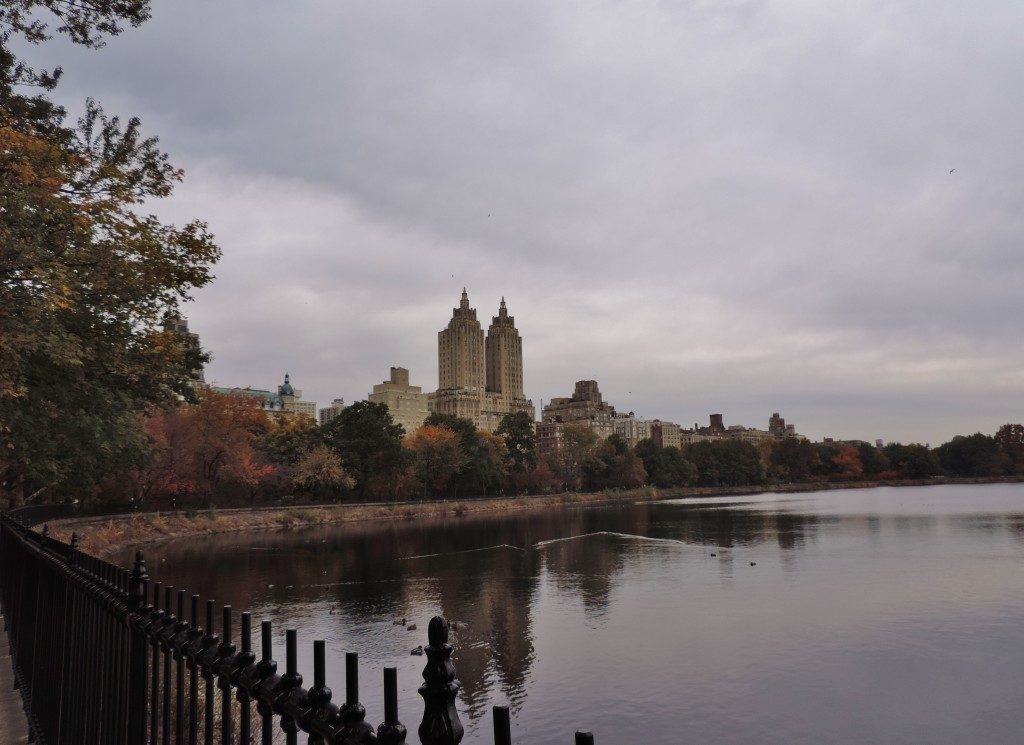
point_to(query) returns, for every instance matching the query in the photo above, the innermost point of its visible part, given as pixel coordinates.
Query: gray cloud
(731, 206)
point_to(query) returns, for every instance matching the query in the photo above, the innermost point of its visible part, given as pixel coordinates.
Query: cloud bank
(733, 206)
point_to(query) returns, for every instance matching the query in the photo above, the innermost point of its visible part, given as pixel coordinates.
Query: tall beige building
(504, 348)
(461, 363)
(480, 378)
(406, 403)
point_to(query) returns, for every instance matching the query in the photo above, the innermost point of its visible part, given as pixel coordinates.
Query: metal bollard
(502, 726)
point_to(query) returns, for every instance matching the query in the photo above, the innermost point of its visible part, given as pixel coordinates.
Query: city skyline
(447, 374)
(739, 207)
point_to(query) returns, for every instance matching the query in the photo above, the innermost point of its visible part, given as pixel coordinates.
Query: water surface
(848, 617)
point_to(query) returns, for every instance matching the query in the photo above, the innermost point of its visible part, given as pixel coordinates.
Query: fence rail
(102, 656)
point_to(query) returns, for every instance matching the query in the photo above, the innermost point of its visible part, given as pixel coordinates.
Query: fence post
(266, 669)
(225, 667)
(440, 725)
(391, 731)
(502, 726)
(353, 714)
(138, 584)
(247, 671)
(291, 681)
(322, 715)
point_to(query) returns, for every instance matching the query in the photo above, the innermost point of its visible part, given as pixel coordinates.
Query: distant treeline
(224, 450)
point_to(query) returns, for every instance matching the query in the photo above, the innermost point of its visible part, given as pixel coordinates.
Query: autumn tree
(204, 453)
(288, 438)
(484, 456)
(437, 456)
(577, 446)
(847, 461)
(825, 466)
(319, 472)
(222, 431)
(614, 465)
(86, 273)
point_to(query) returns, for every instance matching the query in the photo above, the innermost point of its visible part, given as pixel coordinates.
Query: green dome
(286, 389)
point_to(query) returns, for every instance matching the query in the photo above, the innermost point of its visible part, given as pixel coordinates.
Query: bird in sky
(951, 170)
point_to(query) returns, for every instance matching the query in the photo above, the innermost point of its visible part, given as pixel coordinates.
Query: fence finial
(440, 725)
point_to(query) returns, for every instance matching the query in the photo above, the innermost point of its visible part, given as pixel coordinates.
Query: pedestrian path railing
(102, 656)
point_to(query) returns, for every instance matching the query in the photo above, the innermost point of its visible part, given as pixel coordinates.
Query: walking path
(13, 727)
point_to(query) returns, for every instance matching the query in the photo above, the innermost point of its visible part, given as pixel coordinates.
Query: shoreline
(102, 535)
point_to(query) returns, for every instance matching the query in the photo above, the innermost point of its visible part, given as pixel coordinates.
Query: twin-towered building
(480, 377)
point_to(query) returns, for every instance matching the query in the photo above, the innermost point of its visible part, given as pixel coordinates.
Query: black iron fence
(102, 657)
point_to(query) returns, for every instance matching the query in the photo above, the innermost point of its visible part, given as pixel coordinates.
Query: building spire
(502, 309)
(464, 303)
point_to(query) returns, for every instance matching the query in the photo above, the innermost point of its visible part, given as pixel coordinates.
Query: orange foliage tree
(438, 456)
(848, 462)
(205, 452)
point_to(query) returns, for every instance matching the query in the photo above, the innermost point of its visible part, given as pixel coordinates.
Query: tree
(793, 459)
(665, 466)
(613, 465)
(84, 23)
(726, 463)
(848, 463)
(492, 463)
(577, 445)
(221, 432)
(437, 456)
(484, 456)
(825, 464)
(520, 440)
(872, 459)
(912, 461)
(319, 471)
(1010, 439)
(289, 438)
(368, 441)
(86, 275)
(202, 453)
(973, 455)
(541, 479)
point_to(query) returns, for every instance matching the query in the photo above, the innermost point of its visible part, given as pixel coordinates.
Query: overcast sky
(709, 206)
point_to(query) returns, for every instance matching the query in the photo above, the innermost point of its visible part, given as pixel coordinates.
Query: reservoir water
(847, 617)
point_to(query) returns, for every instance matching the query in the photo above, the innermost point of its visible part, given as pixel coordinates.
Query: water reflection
(637, 617)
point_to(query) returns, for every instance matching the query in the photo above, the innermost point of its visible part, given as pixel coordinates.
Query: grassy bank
(101, 536)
